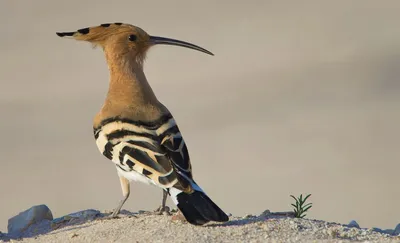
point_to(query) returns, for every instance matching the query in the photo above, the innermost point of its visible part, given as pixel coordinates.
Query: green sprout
(299, 207)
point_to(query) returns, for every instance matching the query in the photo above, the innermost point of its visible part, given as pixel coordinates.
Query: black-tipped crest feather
(62, 34)
(85, 31)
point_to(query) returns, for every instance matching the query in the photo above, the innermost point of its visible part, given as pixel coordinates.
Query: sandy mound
(148, 227)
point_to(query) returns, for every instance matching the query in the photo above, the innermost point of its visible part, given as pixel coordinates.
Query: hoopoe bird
(136, 131)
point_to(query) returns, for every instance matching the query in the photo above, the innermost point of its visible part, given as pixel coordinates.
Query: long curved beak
(155, 40)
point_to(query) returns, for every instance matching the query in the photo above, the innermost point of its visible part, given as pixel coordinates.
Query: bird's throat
(129, 94)
(128, 84)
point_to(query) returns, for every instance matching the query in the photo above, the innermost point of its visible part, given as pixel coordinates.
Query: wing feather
(177, 152)
(161, 156)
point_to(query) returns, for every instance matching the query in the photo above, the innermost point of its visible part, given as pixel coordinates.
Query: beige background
(300, 97)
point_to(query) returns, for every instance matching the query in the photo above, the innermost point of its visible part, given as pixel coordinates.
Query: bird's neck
(128, 84)
(129, 93)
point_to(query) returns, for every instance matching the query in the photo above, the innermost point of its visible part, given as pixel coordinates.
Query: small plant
(299, 207)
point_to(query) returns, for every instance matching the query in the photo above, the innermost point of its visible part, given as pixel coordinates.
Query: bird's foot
(162, 211)
(113, 215)
(108, 216)
(117, 210)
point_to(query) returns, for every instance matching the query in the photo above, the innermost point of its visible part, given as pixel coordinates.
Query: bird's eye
(132, 37)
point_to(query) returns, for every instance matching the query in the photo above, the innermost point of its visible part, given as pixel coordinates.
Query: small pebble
(265, 213)
(35, 214)
(353, 223)
(397, 230)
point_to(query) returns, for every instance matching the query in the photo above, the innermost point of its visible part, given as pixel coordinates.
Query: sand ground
(271, 227)
(299, 98)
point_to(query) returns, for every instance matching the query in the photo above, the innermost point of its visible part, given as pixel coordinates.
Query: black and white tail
(197, 207)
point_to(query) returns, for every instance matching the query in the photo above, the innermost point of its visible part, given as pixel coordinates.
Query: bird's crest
(97, 35)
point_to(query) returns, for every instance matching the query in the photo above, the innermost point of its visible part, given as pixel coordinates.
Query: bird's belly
(135, 176)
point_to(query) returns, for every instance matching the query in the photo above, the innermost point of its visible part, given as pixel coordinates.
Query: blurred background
(300, 97)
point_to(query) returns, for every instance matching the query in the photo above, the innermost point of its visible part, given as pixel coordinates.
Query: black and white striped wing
(146, 159)
(177, 152)
(157, 152)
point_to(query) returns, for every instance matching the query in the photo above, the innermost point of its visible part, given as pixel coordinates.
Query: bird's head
(121, 41)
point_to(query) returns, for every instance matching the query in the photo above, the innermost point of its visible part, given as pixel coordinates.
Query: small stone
(142, 211)
(397, 230)
(74, 235)
(354, 224)
(265, 213)
(23, 220)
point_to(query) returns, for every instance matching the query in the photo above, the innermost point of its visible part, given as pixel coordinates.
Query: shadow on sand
(250, 219)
